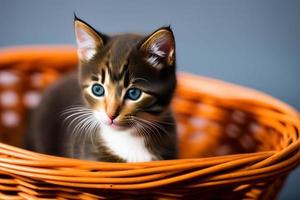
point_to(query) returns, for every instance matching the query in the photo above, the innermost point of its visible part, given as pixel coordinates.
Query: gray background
(253, 43)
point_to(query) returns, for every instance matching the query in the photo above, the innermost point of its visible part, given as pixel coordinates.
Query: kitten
(117, 106)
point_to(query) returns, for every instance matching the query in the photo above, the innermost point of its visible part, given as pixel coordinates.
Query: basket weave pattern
(235, 143)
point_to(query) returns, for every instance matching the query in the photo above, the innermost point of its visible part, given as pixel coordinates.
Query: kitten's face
(127, 78)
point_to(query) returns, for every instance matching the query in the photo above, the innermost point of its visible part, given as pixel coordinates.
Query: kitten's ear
(160, 47)
(88, 39)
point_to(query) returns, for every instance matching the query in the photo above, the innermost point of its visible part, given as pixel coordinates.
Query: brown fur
(119, 63)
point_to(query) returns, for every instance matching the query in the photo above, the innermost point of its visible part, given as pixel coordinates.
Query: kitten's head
(126, 78)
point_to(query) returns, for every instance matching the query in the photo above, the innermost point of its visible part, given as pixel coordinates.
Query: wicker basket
(235, 143)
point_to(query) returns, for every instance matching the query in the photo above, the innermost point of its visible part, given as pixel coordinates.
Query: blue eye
(133, 93)
(98, 90)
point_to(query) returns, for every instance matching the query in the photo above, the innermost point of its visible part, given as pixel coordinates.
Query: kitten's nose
(112, 108)
(112, 116)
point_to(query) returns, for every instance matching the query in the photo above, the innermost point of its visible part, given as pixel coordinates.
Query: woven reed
(235, 143)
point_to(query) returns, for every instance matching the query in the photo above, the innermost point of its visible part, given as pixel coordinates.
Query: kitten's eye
(133, 94)
(98, 90)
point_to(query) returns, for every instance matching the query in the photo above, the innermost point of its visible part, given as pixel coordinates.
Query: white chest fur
(126, 145)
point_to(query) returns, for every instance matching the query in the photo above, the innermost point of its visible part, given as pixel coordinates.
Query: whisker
(148, 129)
(153, 124)
(81, 124)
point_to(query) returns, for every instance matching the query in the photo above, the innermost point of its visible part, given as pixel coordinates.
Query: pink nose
(111, 116)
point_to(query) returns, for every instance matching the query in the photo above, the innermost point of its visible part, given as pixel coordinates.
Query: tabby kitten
(117, 106)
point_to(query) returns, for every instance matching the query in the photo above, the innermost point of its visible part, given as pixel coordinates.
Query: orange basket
(235, 143)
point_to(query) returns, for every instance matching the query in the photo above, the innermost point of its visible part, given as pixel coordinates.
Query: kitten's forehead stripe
(120, 50)
(113, 76)
(126, 78)
(102, 76)
(119, 90)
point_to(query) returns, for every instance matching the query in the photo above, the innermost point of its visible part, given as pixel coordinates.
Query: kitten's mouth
(117, 125)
